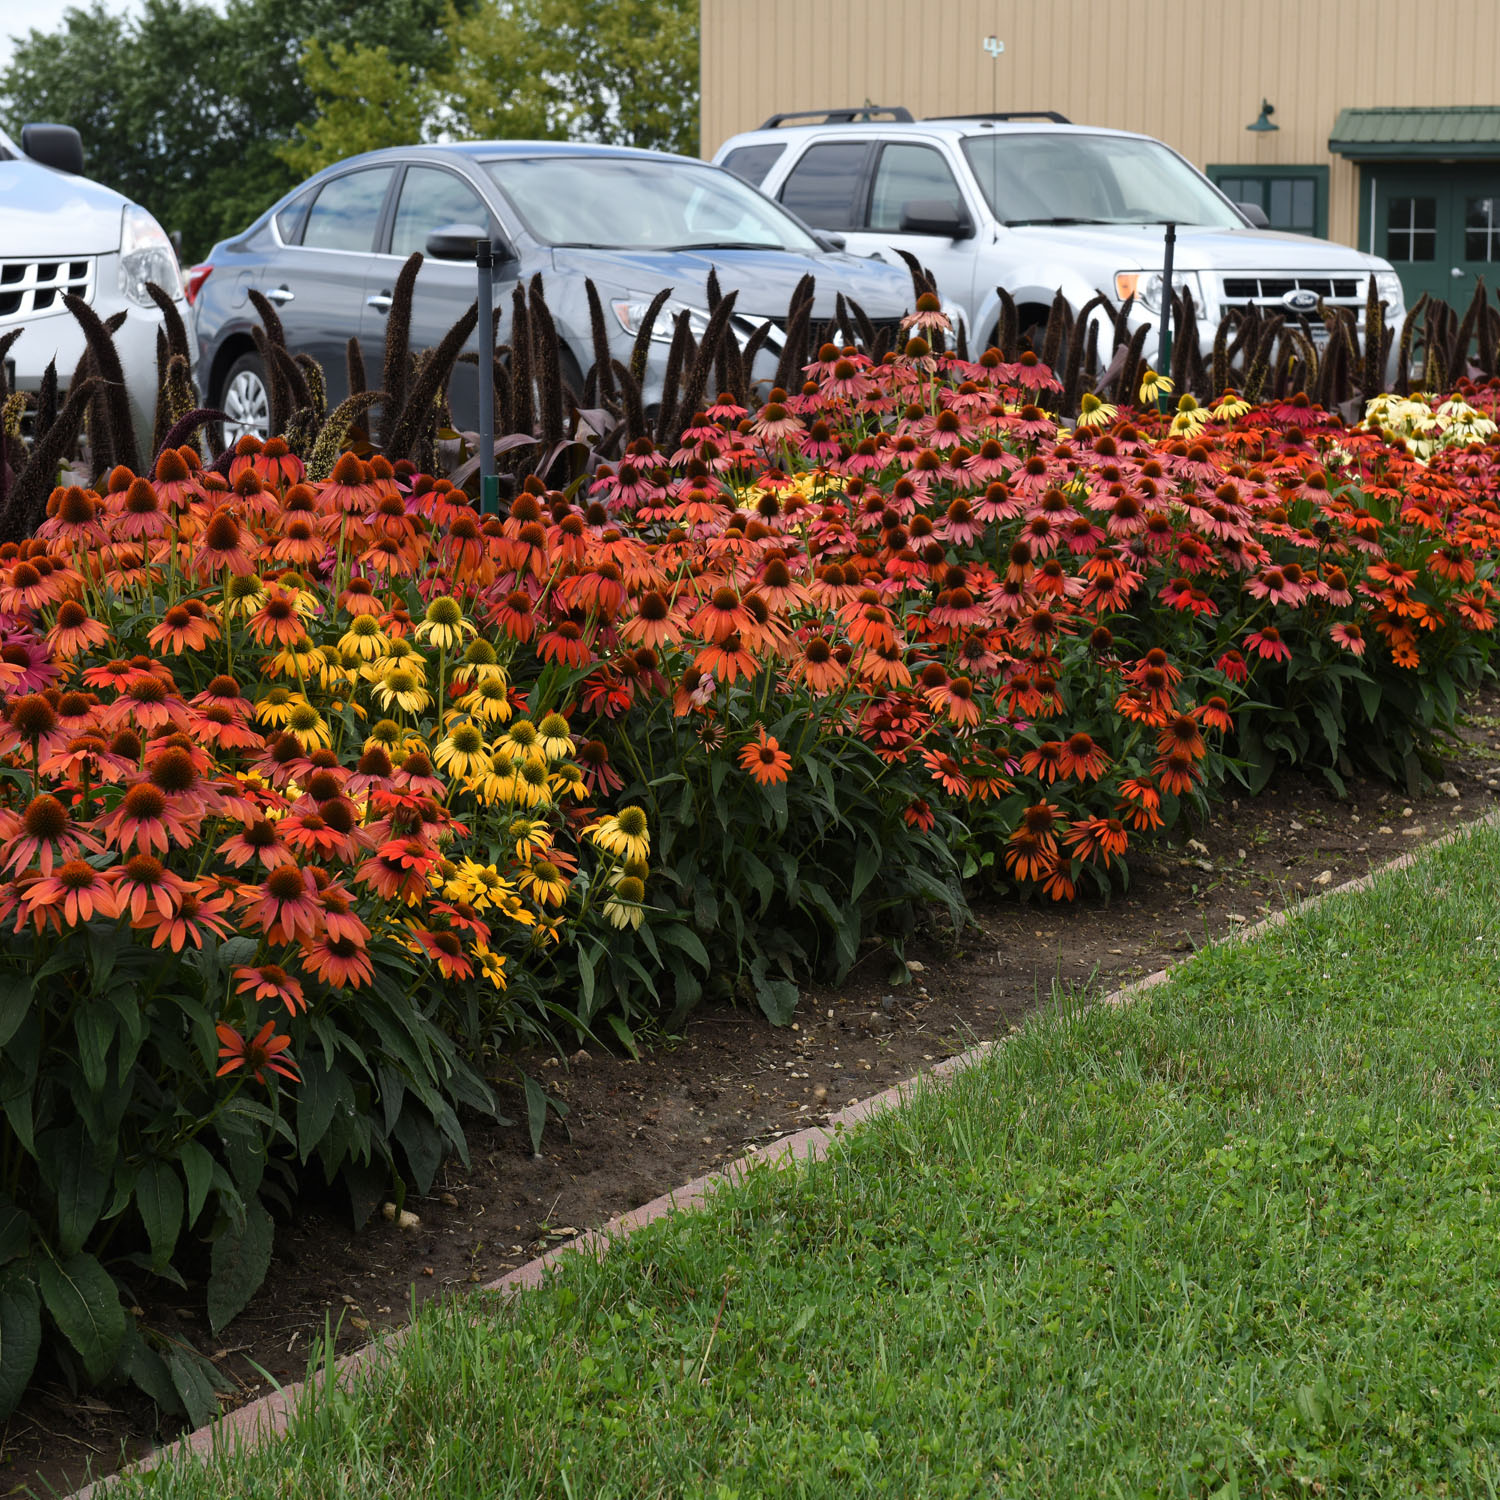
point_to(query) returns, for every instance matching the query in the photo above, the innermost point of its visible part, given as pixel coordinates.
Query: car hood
(1138, 247)
(43, 212)
(765, 279)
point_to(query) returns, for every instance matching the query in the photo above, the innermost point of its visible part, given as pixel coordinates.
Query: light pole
(1164, 343)
(489, 480)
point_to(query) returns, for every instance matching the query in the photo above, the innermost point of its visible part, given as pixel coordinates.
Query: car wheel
(246, 400)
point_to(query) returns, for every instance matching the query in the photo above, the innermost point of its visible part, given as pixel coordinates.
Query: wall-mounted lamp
(1262, 121)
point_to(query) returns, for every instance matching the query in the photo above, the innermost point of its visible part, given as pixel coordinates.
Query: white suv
(1037, 205)
(61, 233)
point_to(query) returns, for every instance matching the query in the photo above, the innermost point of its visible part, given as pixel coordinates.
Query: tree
(365, 100)
(619, 71)
(183, 108)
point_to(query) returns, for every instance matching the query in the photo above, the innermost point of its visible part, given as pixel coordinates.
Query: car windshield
(635, 203)
(1073, 178)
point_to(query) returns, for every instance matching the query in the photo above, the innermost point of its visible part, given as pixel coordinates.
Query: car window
(822, 187)
(290, 220)
(346, 211)
(642, 203)
(906, 173)
(432, 199)
(753, 162)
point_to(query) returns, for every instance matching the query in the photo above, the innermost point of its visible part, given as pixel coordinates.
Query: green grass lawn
(1240, 1238)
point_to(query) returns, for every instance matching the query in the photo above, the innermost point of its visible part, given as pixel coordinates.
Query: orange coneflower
(726, 660)
(765, 760)
(1097, 838)
(45, 833)
(399, 870)
(1028, 857)
(285, 904)
(264, 1051)
(281, 620)
(30, 586)
(75, 630)
(143, 882)
(201, 909)
(818, 667)
(1083, 757)
(338, 962)
(1177, 771)
(221, 544)
(947, 772)
(446, 949)
(184, 629)
(72, 893)
(1044, 761)
(1182, 733)
(270, 982)
(259, 840)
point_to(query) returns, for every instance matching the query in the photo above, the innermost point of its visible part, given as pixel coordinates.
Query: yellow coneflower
(479, 663)
(274, 707)
(1092, 412)
(308, 727)
(531, 836)
(1231, 406)
(567, 780)
(300, 659)
(444, 625)
(531, 788)
(461, 752)
(544, 883)
(555, 741)
(1154, 385)
(523, 740)
(491, 966)
(244, 594)
(488, 699)
(332, 672)
(403, 688)
(399, 653)
(365, 639)
(630, 869)
(626, 833)
(387, 734)
(481, 885)
(1190, 419)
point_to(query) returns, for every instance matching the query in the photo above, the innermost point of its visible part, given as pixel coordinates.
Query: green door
(1438, 225)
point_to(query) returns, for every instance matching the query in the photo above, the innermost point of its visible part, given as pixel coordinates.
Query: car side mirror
(1256, 215)
(457, 241)
(57, 146)
(829, 241)
(938, 216)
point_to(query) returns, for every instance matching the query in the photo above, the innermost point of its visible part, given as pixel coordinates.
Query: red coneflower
(265, 1051)
(1268, 644)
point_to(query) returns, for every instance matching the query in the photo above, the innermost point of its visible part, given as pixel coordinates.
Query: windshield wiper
(1059, 219)
(725, 245)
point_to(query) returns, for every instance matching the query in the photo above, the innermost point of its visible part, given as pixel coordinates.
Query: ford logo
(1300, 300)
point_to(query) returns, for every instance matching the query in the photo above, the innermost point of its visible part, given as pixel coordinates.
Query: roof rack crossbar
(1010, 114)
(855, 114)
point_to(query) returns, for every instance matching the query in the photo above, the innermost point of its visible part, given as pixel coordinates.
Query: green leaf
(15, 1230)
(625, 1035)
(866, 863)
(536, 1111)
(680, 936)
(198, 1168)
(193, 1387)
(20, 1338)
(158, 1197)
(94, 1028)
(777, 997)
(83, 1302)
(316, 1101)
(147, 1369)
(72, 1167)
(241, 1257)
(16, 991)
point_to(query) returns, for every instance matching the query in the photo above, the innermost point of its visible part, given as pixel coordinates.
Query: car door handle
(281, 294)
(381, 301)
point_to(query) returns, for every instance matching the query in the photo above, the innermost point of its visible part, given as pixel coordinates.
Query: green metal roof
(1401, 134)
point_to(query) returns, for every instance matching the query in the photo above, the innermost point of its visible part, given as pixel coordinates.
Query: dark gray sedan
(633, 222)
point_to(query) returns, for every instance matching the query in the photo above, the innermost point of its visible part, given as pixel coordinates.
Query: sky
(17, 17)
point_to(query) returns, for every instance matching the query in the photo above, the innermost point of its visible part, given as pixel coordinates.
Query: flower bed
(317, 796)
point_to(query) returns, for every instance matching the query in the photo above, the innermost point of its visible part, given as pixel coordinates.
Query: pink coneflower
(138, 514)
(221, 545)
(1268, 644)
(75, 631)
(44, 833)
(259, 840)
(143, 883)
(146, 820)
(338, 962)
(775, 424)
(75, 892)
(1350, 637)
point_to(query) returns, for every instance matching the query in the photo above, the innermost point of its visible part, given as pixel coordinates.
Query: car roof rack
(856, 114)
(1010, 114)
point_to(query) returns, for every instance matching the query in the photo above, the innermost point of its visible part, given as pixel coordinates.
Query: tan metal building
(1386, 114)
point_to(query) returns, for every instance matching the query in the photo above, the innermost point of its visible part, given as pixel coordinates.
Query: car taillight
(195, 279)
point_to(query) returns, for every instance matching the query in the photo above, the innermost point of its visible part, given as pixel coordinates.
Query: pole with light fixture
(1262, 121)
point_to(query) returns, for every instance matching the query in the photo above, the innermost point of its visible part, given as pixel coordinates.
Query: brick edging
(269, 1415)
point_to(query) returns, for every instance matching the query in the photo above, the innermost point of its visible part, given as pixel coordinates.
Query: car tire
(245, 397)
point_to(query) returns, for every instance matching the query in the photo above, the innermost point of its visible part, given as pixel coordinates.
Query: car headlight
(146, 254)
(1388, 289)
(1145, 286)
(631, 313)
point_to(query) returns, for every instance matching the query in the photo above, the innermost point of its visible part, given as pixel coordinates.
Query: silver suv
(1035, 204)
(61, 233)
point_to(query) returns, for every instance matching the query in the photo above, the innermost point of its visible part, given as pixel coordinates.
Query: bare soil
(636, 1129)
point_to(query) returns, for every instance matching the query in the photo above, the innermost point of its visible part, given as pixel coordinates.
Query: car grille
(887, 331)
(29, 287)
(1269, 290)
